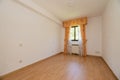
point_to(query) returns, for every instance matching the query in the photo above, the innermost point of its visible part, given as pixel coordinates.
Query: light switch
(21, 45)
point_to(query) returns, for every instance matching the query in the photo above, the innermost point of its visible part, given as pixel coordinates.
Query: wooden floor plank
(65, 67)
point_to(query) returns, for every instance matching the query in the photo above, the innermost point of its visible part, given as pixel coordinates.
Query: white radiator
(75, 49)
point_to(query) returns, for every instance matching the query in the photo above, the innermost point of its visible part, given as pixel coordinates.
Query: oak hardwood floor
(64, 67)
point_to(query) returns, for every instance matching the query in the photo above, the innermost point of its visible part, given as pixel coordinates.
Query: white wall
(25, 35)
(94, 36)
(111, 38)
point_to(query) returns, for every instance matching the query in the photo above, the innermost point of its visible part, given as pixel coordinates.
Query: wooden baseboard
(29, 65)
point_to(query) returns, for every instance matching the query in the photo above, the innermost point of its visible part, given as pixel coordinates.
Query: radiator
(75, 49)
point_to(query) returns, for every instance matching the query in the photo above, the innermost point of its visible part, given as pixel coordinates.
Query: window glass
(75, 33)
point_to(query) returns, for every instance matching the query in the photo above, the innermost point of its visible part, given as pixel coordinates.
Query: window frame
(74, 33)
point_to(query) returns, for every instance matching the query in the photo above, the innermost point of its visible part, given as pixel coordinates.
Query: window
(74, 33)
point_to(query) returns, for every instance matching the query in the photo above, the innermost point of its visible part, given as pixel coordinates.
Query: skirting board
(109, 68)
(91, 54)
(29, 65)
(94, 54)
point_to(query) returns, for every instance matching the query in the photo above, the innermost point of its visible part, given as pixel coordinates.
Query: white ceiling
(70, 9)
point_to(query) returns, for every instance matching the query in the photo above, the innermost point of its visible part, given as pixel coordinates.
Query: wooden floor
(60, 67)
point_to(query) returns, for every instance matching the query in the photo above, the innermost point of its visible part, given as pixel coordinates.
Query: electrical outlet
(97, 52)
(20, 61)
(21, 45)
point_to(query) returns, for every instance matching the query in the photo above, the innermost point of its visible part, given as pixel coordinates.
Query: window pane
(77, 33)
(71, 33)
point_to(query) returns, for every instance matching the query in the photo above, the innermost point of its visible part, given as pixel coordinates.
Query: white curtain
(80, 42)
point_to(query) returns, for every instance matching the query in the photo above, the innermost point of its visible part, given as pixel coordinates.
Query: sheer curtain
(69, 46)
(80, 47)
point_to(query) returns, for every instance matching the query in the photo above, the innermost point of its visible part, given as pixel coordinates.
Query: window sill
(74, 40)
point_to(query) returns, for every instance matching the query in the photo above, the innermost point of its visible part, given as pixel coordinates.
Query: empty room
(59, 39)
